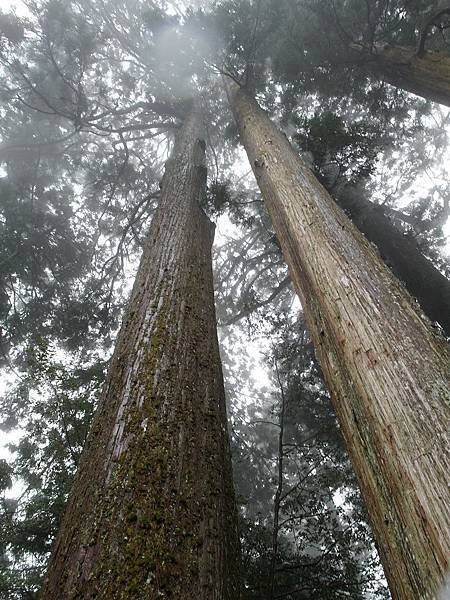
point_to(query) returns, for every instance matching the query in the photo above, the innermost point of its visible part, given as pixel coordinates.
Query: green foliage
(339, 149)
(5, 475)
(53, 406)
(218, 197)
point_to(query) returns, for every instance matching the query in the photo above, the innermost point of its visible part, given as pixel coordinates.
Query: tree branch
(248, 309)
(426, 29)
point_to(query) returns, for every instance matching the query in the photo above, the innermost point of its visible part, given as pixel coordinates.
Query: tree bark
(152, 512)
(427, 76)
(385, 367)
(401, 253)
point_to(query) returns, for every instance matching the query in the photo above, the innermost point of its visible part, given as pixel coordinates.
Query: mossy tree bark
(385, 367)
(152, 511)
(402, 254)
(427, 76)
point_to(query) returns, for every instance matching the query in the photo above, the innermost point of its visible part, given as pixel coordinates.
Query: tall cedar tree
(386, 369)
(152, 510)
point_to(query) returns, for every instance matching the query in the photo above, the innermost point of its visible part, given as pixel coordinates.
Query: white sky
(16, 5)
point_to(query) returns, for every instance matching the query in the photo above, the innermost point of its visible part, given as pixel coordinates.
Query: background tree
(402, 43)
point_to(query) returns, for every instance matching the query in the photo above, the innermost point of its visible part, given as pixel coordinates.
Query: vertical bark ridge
(386, 369)
(152, 513)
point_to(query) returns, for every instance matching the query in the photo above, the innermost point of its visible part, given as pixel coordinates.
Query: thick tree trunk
(402, 255)
(386, 369)
(152, 513)
(427, 76)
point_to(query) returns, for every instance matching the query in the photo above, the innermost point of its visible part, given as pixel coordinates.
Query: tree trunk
(402, 255)
(427, 76)
(279, 491)
(152, 512)
(386, 369)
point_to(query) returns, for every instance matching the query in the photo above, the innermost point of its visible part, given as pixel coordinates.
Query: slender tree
(386, 369)
(292, 465)
(152, 513)
(422, 279)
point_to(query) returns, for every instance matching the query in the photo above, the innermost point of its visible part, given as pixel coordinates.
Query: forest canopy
(94, 100)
